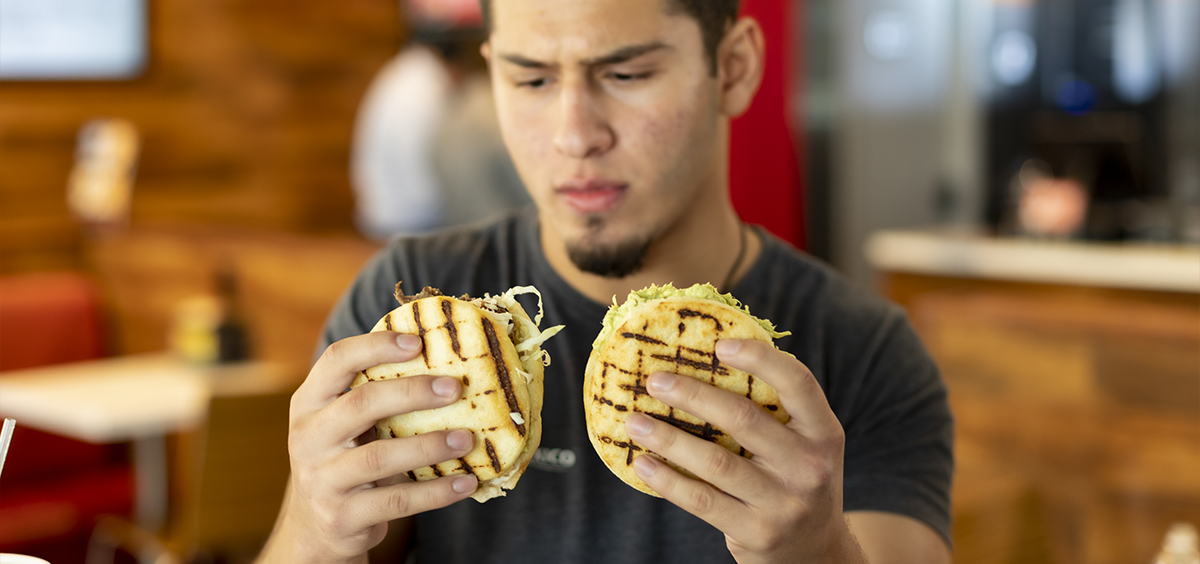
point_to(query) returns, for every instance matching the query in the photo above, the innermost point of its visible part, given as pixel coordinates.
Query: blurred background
(186, 187)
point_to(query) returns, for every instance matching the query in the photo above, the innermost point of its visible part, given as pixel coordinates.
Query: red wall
(764, 173)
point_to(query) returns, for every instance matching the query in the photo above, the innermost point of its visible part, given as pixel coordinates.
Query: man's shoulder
(799, 282)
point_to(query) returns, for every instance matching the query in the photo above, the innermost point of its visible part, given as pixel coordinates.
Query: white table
(137, 398)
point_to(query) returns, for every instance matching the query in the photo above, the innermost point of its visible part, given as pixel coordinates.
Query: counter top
(1141, 266)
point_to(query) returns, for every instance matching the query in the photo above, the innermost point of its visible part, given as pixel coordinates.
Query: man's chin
(610, 260)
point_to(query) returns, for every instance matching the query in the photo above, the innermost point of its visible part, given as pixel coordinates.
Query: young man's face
(612, 118)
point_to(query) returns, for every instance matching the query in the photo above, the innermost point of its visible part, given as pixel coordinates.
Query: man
(616, 113)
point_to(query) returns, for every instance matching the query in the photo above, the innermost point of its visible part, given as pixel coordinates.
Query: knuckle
(371, 459)
(329, 516)
(359, 399)
(663, 438)
(398, 503)
(755, 352)
(428, 447)
(335, 352)
(701, 500)
(719, 463)
(742, 416)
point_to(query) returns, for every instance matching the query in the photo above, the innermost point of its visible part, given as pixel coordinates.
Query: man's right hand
(342, 493)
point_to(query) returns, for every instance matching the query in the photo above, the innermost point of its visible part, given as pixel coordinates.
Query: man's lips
(592, 196)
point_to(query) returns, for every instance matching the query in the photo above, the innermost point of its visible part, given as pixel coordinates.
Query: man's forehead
(581, 28)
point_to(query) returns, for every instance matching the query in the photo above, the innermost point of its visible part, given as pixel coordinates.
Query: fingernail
(660, 382)
(645, 466)
(408, 343)
(459, 440)
(464, 484)
(728, 347)
(445, 387)
(637, 425)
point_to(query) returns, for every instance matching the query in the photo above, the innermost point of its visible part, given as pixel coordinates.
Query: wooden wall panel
(246, 111)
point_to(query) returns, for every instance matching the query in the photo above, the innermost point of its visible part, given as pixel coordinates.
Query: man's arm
(888, 538)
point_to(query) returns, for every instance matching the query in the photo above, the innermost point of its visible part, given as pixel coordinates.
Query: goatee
(610, 261)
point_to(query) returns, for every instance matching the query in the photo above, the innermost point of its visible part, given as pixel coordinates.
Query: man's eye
(534, 84)
(629, 76)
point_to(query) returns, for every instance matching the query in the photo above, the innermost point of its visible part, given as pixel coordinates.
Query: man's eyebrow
(619, 56)
(624, 54)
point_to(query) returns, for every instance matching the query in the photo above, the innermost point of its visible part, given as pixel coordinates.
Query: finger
(341, 361)
(357, 411)
(380, 460)
(709, 461)
(799, 392)
(702, 500)
(751, 426)
(378, 505)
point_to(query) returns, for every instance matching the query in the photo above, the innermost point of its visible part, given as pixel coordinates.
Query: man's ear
(740, 58)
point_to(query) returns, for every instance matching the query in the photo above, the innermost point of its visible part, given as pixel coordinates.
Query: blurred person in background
(617, 114)
(427, 151)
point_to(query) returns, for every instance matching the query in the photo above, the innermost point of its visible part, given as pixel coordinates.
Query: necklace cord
(737, 262)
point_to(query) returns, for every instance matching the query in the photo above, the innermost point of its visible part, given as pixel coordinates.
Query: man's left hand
(782, 505)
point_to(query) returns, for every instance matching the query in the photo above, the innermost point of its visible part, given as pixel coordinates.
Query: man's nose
(582, 129)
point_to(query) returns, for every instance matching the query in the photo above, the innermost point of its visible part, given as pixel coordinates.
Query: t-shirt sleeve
(899, 429)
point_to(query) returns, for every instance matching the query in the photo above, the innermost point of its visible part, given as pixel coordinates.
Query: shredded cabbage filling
(525, 335)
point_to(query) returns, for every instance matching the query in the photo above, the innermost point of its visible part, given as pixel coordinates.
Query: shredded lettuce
(617, 313)
(525, 335)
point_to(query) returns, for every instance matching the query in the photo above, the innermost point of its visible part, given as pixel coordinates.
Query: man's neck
(702, 248)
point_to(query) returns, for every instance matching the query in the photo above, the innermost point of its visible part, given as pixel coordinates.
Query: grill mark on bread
(491, 451)
(770, 407)
(466, 381)
(462, 465)
(619, 369)
(510, 395)
(412, 475)
(421, 333)
(715, 367)
(628, 446)
(685, 313)
(638, 389)
(749, 385)
(437, 471)
(642, 338)
(705, 431)
(387, 322)
(452, 329)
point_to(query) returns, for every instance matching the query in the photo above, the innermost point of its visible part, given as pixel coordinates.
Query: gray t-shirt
(568, 508)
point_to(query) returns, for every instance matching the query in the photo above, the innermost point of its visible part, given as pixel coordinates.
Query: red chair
(53, 488)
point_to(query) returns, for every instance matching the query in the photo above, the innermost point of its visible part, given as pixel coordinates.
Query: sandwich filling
(618, 313)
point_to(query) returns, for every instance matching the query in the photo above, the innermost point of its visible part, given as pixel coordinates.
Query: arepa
(670, 330)
(492, 346)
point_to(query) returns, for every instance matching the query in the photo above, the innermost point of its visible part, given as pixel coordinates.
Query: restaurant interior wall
(245, 110)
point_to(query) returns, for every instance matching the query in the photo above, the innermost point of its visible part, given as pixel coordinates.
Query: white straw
(5, 438)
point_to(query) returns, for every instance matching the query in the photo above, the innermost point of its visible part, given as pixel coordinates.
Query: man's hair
(714, 16)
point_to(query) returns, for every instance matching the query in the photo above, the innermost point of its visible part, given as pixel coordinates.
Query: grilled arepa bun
(670, 330)
(492, 346)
